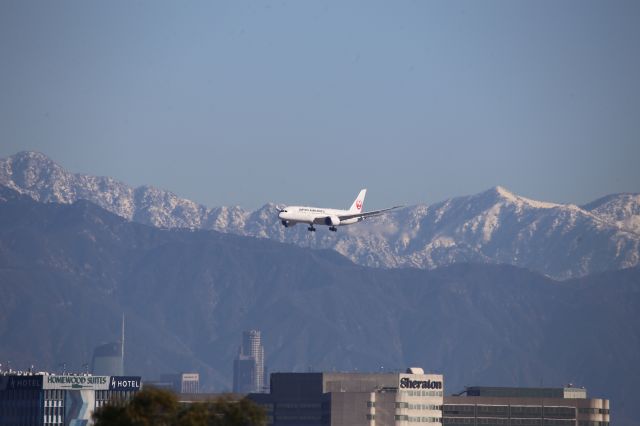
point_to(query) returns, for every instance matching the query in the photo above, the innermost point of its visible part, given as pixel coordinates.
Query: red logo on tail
(358, 204)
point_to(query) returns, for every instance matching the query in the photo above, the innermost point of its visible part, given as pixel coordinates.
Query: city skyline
(170, 160)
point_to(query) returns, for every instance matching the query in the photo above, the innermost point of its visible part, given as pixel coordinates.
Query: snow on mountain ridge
(494, 226)
(34, 174)
(517, 199)
(622, 209)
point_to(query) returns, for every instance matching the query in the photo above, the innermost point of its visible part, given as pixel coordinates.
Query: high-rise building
(248, 367)
(107, 360)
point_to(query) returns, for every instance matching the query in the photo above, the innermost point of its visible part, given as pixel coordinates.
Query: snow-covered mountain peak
(505, 193)
(622, 209)
(509, 197)
(494, 226)
(32, 163)
(32, 156)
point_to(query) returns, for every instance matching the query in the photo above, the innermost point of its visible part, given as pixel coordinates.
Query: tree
(160, 407)
(224, 411)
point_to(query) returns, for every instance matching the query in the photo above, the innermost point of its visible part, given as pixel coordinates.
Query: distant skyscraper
(107, 360)
(248, 367)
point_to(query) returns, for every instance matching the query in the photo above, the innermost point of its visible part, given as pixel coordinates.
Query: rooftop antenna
(122, 344)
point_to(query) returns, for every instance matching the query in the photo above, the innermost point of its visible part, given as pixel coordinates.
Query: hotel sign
(415, 381)
(124, 383)
(24, 382)
(76, 382)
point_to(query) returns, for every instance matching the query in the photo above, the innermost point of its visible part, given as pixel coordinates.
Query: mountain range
(68, 272)
(494, 227)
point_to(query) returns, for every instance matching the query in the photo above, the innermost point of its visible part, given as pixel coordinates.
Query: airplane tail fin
(357, 205)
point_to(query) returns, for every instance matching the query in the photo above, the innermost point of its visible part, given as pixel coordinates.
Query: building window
(525, 411)
(492, 421)
(458, 421)
(461, 410)
(526, 422)
(560, 412)
(493, 410)
(559, 422)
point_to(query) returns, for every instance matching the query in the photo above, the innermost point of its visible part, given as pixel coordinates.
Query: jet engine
(352, 220)
(332, 220)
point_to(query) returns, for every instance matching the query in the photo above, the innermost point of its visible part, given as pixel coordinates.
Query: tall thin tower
(122, 344)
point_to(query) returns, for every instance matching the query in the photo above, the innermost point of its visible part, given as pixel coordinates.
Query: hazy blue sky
(237, 102)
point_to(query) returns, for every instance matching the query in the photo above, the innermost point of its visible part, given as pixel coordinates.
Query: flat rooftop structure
(353, 399)
(525, 407)
(516, 392)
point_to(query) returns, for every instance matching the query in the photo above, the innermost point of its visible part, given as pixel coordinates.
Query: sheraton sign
(407, 383)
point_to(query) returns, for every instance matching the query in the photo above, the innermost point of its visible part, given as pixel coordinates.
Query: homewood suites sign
(76, 382)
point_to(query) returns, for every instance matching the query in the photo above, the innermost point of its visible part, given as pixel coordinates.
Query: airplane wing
(367, 214)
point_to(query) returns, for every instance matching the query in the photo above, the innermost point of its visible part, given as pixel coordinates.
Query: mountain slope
(36, 175)
(621, 209)
(67, 272)
(495, 226)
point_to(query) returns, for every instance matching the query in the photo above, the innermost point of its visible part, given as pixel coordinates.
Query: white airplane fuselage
(315, 216)
(333, 218)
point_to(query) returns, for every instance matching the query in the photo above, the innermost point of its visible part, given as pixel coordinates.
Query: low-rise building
(353, 399)
(47, 399)
(180, 382)
(505, 406)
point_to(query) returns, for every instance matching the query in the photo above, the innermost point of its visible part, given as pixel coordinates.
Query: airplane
(292, 215)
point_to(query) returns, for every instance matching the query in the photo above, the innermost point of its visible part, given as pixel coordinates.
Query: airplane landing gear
(333, 228)
(311, 228)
